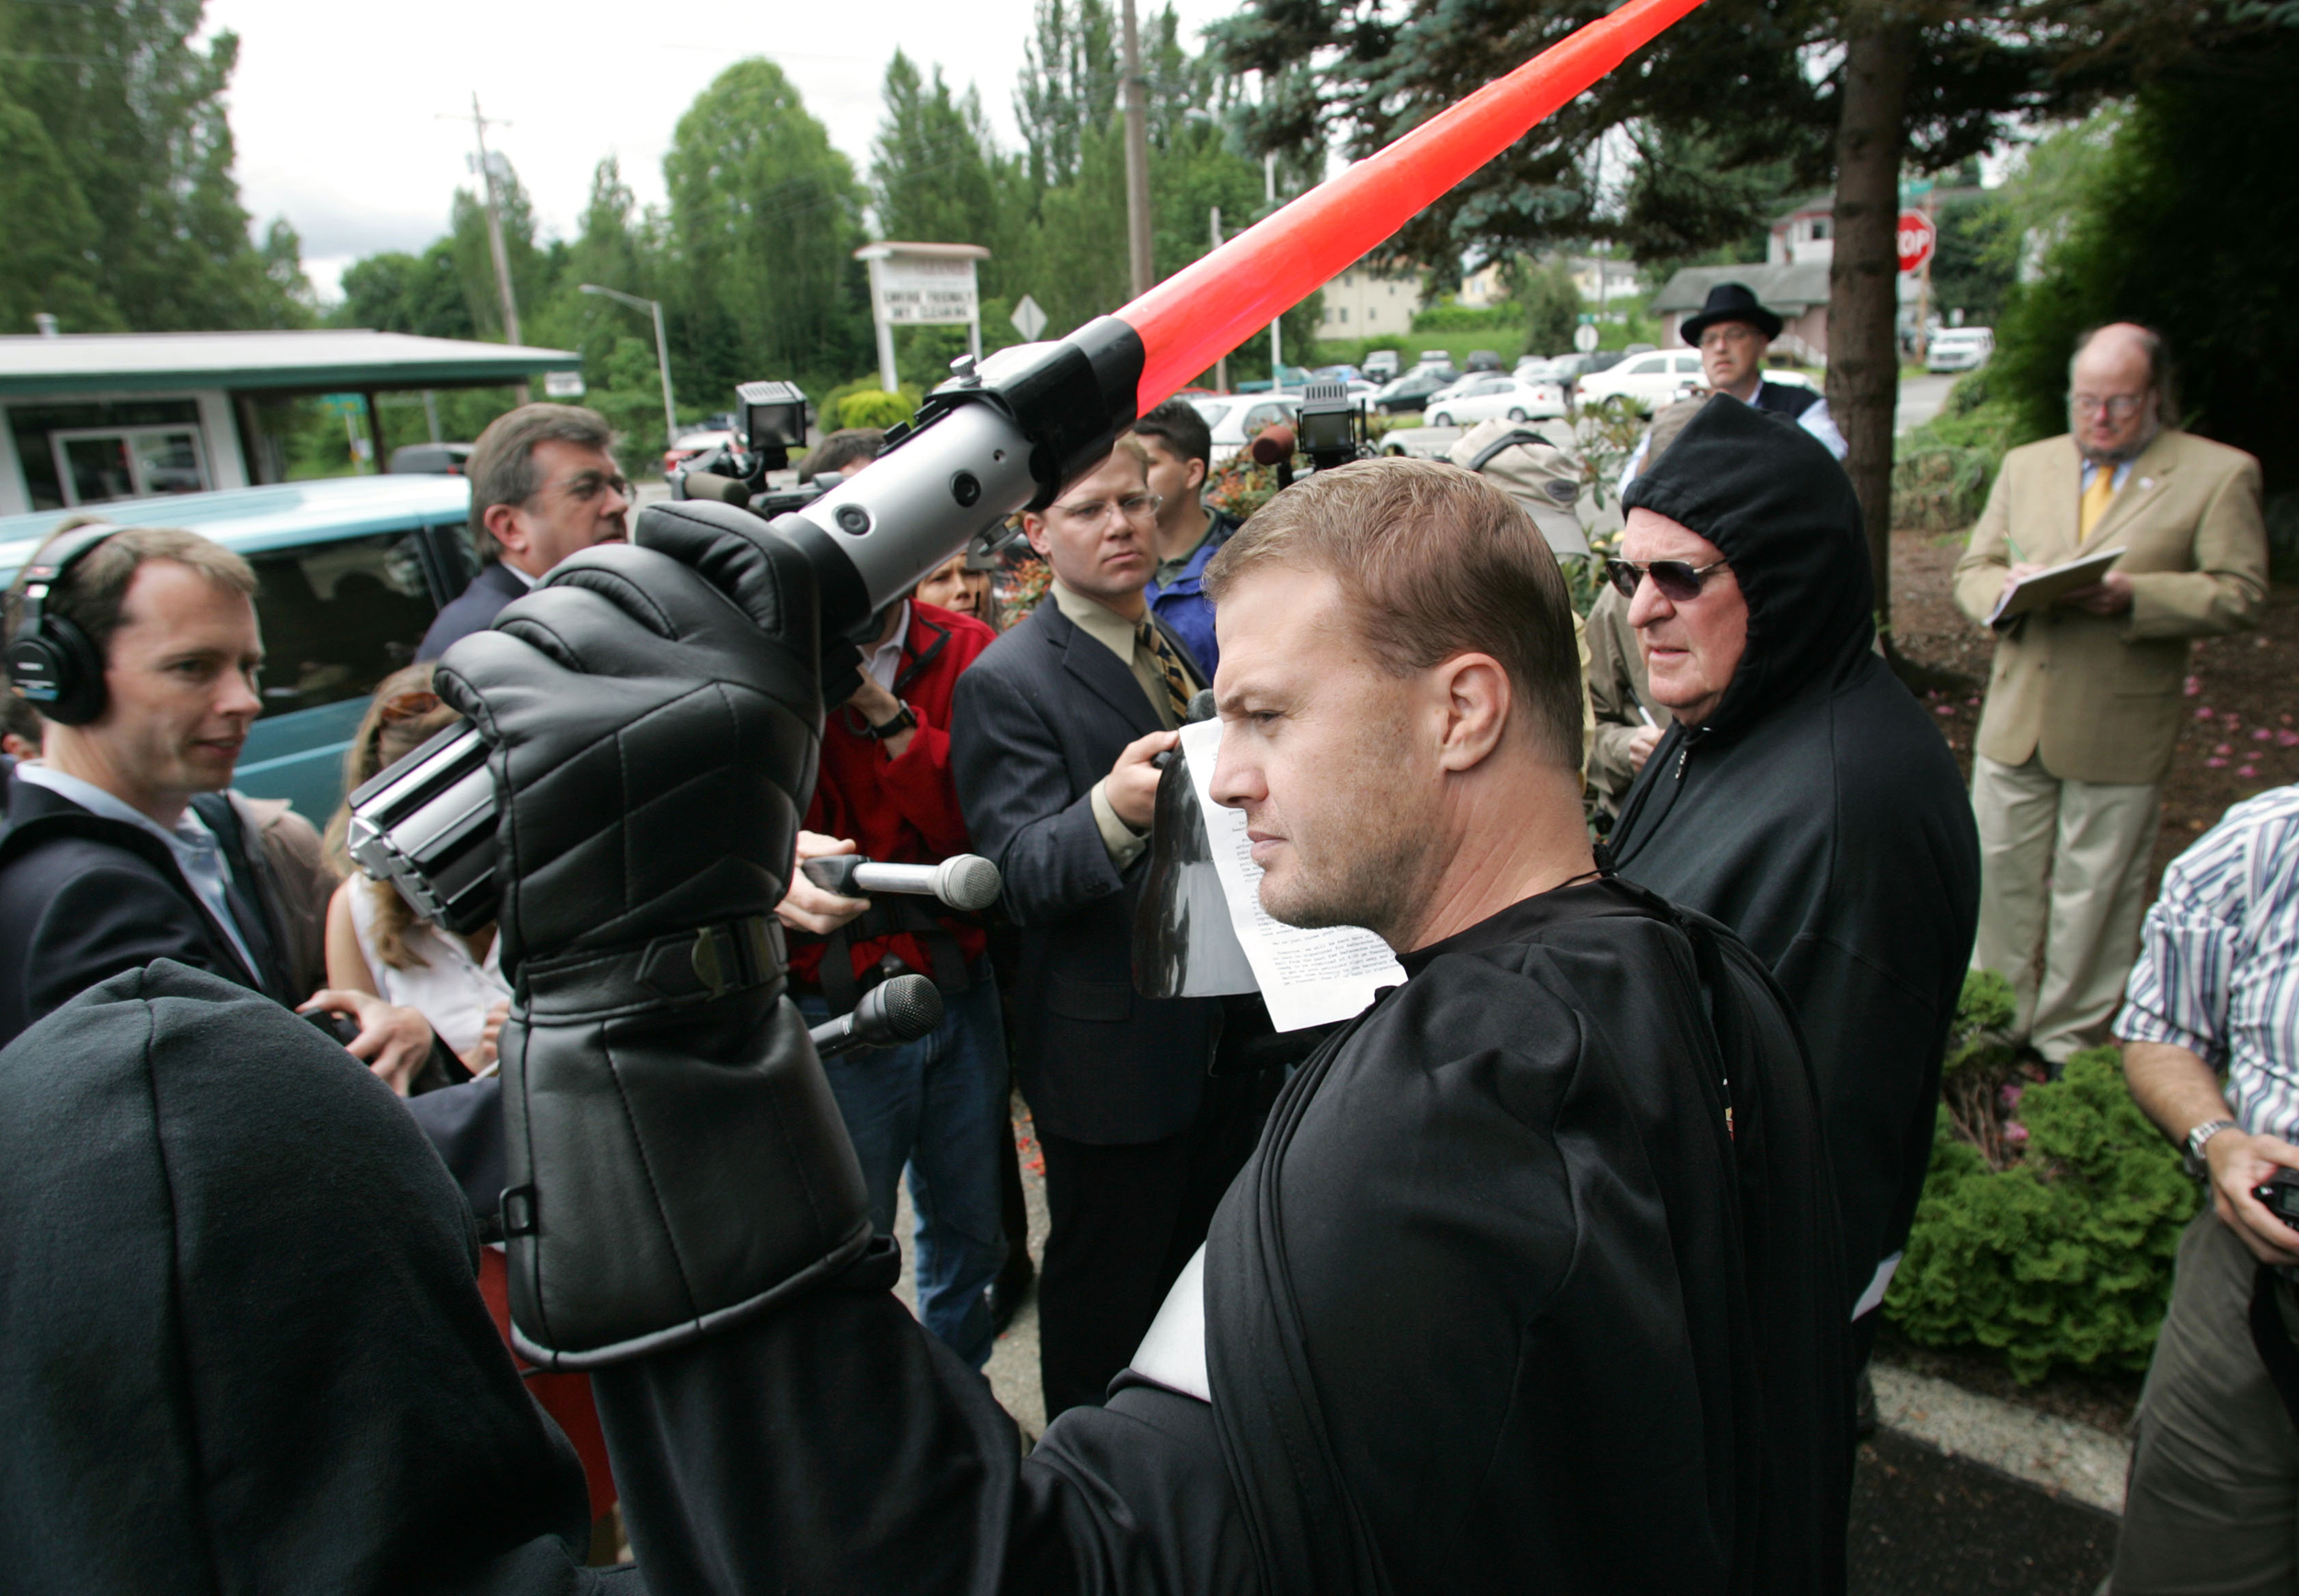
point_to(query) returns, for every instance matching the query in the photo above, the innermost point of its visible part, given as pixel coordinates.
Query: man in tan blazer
(2084, 702)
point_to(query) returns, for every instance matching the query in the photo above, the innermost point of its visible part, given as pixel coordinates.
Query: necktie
(2094, 503)
(1150, 641)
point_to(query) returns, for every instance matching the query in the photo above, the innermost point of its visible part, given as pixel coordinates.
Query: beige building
(1365, 304)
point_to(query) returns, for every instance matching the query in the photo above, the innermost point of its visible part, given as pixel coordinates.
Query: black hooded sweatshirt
(1818, 813)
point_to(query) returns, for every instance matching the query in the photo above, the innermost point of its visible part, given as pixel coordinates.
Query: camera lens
(966, 489)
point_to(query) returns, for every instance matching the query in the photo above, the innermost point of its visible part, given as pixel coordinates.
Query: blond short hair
(1436, 562)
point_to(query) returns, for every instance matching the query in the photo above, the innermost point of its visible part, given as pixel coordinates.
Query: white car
(1483, 397)
(1234, 418)
(1647, 381)
(1958, 348)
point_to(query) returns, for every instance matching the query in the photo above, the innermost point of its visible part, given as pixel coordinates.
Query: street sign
(342, 403)
(1029, 318)
(1585, 339)
(914, 293)
(563, 385)
(1916, 237)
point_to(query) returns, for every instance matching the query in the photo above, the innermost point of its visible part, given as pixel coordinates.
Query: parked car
(429, 458)
(1380, 366)
(1234, 418)
(1647, 381)
(1483, 361)
(350, 573)
(1959, 348)
(1430, 359)
(1412, 391)
(1483, 396)
(690, 444)
(1338, 374)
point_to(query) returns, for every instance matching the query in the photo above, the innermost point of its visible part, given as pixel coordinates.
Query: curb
(2057, 1455)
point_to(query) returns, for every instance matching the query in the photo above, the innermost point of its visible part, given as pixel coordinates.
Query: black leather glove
(675, 1161)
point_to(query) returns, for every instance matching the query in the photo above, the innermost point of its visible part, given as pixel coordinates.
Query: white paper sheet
(1308, 977)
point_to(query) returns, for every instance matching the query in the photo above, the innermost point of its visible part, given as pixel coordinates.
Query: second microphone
(964, 881)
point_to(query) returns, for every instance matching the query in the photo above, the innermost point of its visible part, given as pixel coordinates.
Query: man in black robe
(1532, 1283)
(1802, 795)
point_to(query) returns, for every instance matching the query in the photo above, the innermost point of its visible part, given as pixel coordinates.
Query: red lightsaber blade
(1207, 309)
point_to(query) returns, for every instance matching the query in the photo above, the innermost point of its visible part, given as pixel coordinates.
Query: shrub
(2051, 1214)
(1944, 468)
(864, 404)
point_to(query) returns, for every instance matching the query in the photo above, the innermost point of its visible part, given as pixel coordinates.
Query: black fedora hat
(1732, 302)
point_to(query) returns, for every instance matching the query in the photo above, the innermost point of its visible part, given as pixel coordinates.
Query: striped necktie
(1150, 641)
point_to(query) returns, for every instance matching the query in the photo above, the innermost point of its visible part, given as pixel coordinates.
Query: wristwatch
(2196, 1166)
(903, 721)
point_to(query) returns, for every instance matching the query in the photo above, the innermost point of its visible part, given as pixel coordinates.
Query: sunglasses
(1680, 581)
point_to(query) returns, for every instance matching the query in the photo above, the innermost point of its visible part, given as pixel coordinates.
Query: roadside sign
(1916, 237)
(1029, 318)
(342, 403)
(1585, 338)
(563, 385)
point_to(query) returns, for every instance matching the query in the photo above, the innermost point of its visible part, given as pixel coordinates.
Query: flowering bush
(2052, 1211)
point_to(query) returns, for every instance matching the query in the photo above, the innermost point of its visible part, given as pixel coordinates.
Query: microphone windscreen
(912, 1006)
(1200, 705)
(704, 485)
(969, 882)
(1272, 445)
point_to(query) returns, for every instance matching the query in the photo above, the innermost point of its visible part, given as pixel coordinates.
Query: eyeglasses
(586, 486)
(1132, 506)
(410, 706)
(1679, 580)
(2120, 406)
(1717, 337)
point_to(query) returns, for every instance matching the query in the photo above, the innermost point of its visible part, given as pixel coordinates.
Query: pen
(1648, 717)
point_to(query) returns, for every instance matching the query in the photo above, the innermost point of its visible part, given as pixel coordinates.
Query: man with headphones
(139, 650)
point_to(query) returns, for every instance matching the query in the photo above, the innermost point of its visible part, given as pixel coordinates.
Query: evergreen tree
(932, 176)
(1069, 87)
(134, 171)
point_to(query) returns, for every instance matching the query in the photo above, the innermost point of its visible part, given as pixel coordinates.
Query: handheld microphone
(1272, 445)
(889, 1014)
(964, 881)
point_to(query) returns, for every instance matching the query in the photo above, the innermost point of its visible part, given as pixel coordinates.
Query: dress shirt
(2115, 482)
(198, 854)
(2218, 971)
(1114, 633)
(884, 663)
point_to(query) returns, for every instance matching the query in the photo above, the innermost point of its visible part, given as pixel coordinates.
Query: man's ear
(1478, 697)
(502, 524)
(1034, 528)
(1195, 474)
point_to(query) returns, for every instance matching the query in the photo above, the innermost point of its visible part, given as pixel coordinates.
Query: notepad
(2037, 592)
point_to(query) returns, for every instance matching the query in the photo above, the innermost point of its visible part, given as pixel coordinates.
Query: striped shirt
(2218, 971)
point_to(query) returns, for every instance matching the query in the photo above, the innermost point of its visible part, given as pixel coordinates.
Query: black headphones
(51, 664)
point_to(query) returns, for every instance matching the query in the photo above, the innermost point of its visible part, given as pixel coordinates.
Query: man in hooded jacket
(1802, 796)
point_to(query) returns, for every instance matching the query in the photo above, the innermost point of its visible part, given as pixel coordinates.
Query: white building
(1364, 303)
(90, 417)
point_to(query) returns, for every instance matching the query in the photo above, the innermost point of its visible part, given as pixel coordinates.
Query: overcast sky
(338, 111)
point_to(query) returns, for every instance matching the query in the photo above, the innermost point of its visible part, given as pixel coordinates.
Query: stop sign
(1916, 237)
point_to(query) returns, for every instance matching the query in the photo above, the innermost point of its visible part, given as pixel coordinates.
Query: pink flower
(2214, 764)
(1943, 708)
(2010, 1095)
(2262, 735)
(2287, 739)
(1971, 703)
(2194, 685)
(2015, 1134)
(2223, 748)
(2247, 771)
(2204, 714)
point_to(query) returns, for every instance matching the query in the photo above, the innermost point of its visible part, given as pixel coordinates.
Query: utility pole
(495, 231)
(1276, 328)
(1137, 162)
(1221, 367)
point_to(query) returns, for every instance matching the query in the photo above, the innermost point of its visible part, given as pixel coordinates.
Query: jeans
(937, 1105)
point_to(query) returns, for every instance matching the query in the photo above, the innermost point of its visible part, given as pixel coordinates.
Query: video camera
(1330, 428)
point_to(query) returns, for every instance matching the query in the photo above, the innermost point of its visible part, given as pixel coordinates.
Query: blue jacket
(1183, 604)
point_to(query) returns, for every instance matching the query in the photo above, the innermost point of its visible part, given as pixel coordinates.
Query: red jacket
(903, 811)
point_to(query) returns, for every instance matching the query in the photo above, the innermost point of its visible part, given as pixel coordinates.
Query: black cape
(246, 1347)
(1818, 813)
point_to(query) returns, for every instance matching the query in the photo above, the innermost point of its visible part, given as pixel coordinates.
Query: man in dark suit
(1053, 734)
(543, 486)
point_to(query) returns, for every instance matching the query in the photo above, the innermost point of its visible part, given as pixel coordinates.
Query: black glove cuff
(677, 969)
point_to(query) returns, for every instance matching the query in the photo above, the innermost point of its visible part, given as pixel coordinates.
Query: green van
(351, 572)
